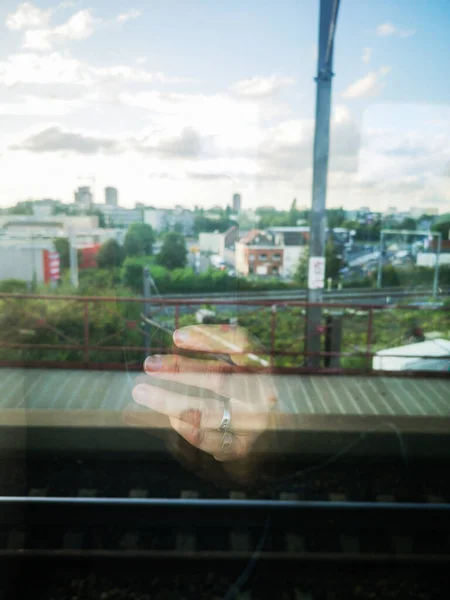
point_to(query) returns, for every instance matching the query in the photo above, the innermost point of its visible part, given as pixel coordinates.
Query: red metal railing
(84, 352)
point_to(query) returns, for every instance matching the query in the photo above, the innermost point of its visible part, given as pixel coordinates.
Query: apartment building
(258, 254)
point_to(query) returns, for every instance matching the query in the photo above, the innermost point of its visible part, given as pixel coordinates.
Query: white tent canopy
(420, 356)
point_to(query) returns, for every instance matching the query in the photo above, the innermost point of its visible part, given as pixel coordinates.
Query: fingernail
(140, 394)
(181, 336)
(153, 363)
(145, 395)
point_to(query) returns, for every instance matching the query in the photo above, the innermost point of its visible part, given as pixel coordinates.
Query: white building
(111, 197)
(222, 244)
(237, 203)
(84, 197)
(158, 218)
(211, 242)
(428, 259)
(116, 216)
(26, 262)
(170, 220)
(22, 226)
(294, 241)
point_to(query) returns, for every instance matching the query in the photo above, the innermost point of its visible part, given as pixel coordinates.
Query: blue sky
(189, 101)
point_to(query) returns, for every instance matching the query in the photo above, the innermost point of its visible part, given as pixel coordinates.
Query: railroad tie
(186, 539)
(240, 540)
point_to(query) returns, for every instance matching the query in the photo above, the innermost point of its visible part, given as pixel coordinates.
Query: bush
(13, 286)
(110, 254)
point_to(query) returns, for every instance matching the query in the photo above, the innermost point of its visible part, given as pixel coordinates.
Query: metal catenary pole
(147, 296)
(316, 267)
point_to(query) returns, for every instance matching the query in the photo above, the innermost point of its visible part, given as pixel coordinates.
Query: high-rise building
(111, 196)
(236, 203)
(83, 197)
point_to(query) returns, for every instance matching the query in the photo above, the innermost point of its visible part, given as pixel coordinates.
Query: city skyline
(190, 103)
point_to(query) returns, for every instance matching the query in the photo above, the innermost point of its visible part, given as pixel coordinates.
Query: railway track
(299, 542)
(300, 294)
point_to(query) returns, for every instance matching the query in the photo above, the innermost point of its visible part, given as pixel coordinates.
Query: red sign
(88, 257)
(51, 266)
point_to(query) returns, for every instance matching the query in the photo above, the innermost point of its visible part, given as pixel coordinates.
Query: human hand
(197, 419)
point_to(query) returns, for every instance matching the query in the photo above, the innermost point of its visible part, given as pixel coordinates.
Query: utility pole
(147, 296)
(316, 266)
(380, 260)
(73, 258)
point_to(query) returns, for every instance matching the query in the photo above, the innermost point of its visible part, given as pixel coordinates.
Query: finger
(202, 412)
(191, 372)
(205, 412)
(233, 340)
(174, 363)
(212, 441)
(256, 389)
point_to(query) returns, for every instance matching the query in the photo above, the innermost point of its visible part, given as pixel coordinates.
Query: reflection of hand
(197, 419)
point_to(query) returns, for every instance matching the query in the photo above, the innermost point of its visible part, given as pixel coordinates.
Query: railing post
(177, 316)
(86, 332)
(272, 335)
(369, 339)
(147, 295)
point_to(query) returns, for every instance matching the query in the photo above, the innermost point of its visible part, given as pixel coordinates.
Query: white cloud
(31, 68)
(38, 35)
(235, 125)
(131, 14)
(28, 15)
(54, 138)
(79, 26)
(141, 60)
(261, 87)
(40, 106)
(367, 55)
(56, 68)
(369, 85)
(388, 29)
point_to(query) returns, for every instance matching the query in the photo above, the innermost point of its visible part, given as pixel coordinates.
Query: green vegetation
(61, 322)
(139, 240)
(173, 253)
(63, 248)
(110, 254)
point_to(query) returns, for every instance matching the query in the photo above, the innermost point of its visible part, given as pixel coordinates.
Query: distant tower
(111, 196)
(237, 203)
(83, 197)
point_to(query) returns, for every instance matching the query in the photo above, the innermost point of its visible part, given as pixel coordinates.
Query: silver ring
(225, 423)
(227, 442)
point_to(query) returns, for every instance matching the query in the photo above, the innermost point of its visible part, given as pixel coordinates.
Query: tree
(21, 208)
(408, 223)
(139, 240)
(333, 264)
(301, 273)
(111, 254)
(333, 261)
(63, 248)
(173, 254)
(442, 225)
(294, 215)
(335, 217)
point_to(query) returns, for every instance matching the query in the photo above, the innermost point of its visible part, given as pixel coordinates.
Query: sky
(189, 101)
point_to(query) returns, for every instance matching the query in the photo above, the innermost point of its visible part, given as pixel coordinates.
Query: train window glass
(151, 155)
